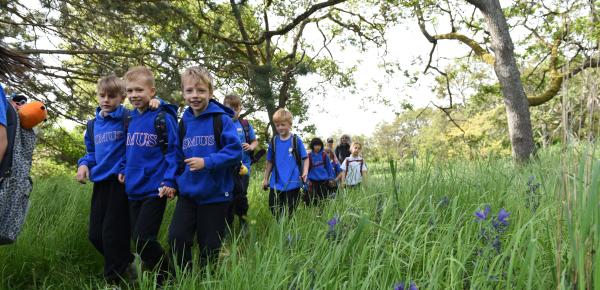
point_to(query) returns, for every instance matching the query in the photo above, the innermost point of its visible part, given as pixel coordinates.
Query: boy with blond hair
(354, 167)
(287, 169)
(211, 148)
(151, 163)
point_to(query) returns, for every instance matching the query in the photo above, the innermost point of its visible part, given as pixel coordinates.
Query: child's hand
(303, 177)
(121, 178)
(167, 191)
(247, 147)
(83, 173)
(154, 104)
(265, 184)
(195, 163)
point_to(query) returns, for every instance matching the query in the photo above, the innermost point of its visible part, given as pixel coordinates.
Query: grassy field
(416, 223)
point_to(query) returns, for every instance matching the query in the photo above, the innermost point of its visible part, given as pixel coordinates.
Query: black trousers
(281, 202)
(109, 229)
(239, 205)
(317, 191)
(146, 216)
(208, 222)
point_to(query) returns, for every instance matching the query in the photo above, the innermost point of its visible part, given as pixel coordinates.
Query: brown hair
(234, 101)
(111, 85)
(198, 73)
(140, 72)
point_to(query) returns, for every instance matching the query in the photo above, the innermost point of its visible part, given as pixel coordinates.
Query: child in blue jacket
(320, 173)
(151, 164)
(211, 149)
(109, 230)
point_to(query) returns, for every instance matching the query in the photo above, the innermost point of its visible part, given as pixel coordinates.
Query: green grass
(421, 230)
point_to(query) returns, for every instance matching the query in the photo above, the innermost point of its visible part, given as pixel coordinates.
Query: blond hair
(356, 144)
(233, 101)
(282, 115)
(140, 73)
(112, 86)
(196, 74)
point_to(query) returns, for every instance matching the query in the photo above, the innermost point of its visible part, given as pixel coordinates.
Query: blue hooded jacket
(214, 183)
(105, 158)
(320, 170)
(146, 167)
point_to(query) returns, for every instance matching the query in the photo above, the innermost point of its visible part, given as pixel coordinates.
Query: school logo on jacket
(198, 141)
(141, 139)
(108, 137)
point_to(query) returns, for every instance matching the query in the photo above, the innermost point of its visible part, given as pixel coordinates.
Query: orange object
(31, 114)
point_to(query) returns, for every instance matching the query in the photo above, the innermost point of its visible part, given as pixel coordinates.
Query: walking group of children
(138, 159)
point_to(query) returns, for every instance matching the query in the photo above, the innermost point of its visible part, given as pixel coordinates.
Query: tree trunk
(505, 66)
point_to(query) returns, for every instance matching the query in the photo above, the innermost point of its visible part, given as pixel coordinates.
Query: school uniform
(204, 195)
(109, 230)
(319, 174)
(147, 168)
(285, 181)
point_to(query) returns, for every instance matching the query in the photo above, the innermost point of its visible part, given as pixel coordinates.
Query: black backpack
(160, 126)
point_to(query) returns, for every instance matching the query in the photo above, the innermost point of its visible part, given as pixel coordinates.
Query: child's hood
(213, 107)
(166, 107)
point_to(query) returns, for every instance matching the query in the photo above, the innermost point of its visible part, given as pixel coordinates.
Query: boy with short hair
(151, 164)
(245, 132)
(286, 159)
(105, 147)
(211, 148)
(354, 167)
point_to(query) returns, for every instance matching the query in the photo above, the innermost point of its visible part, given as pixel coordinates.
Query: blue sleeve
(172, 156)
(3, 104)
(89, 159)
(251, 133)
(301, 149)
(329, 167)
(270, 156)
(231, 152)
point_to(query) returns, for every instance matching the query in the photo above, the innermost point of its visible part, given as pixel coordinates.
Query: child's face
(236, 110)
(283, 128)
(139, 93)
(317, 148)
(355, 150)
(109, 103)
(196, 94)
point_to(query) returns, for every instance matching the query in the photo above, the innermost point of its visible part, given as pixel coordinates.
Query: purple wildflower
(332, 222)
(399, 286)
(482, 215)
(502, 216)
(413, 286)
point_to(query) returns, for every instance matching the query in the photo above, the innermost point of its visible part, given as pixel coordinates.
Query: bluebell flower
(332, 222)
(400, 286)
(502, 216)
(483, 215)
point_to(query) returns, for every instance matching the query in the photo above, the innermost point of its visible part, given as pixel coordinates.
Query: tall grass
(415, 223)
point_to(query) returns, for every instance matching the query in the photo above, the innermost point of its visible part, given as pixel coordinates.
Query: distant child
(211, 148)
(245, 132)
(151, 164)
(354, 167)
(286, 170)
(109, 230)
(335, 163)
(320, 173)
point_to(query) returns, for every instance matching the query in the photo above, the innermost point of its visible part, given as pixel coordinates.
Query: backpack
(294, 151)
(15, 182)
(160, 126)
